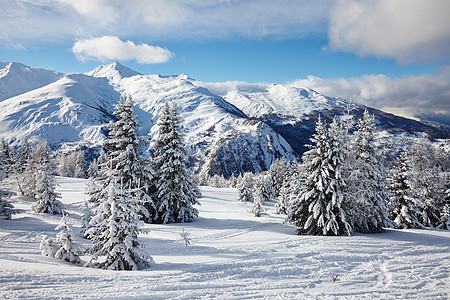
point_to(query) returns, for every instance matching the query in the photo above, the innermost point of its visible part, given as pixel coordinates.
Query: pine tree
(318, 208)
(263, 187)
(245, 190)
(81, 168)
(40, 182)
(366, 192)
(444, 221)
(282, 205)
(425, 179)
(6, 209)
(404, 210)
(257, 207)
(114, 231)
(21, 158)
(128, 167)
(48, 247)
(86, 218)
(5, 159)
(277, 172)
(176, 192)
(69, 249)
(46, 197)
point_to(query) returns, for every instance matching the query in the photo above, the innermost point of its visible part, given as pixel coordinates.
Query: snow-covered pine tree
(114, 231)
(69, 249)
(263, 186)
(403, 209)
(6, 208)
(48, 247)
(257, 208)
(318, 208)
(282, 205)
(176, 191)
(97, 178)
(81, 167)
(46, 197)
(130, 169)
(85, 219)
(5, 159)
(366, 191)
(277, 172)
(39, 175)
(245, 190)
(21, 161)
(444, 221)
(426, 181)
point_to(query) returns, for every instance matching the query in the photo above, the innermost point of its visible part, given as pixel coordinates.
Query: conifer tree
(5, 159)
(176, 191)
(46, 197)
(366, 191)
(245, 190)
(318, 208)
(21, 158)
(121, 195)
(40, 181)
(425, 179)
(444, 221)
(257, 208)
(114, 231)
(6, 208)
(48, 247)
(69, 249)
(404, 210)
(86, 218)
(282, 205)
(129, 168)
(263, 187)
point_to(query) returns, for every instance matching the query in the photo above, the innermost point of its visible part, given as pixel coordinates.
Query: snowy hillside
(230, 128)
(233, 255)
(16, 79)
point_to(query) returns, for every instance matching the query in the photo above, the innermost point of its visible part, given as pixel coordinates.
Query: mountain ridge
(234, 131)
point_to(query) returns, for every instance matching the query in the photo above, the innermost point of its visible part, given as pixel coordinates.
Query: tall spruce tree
(39, 181)
(318, 208)
(120, 194)
(176, 191)
(426, 180)
(366, 192)
(129, 168)
(404, 210)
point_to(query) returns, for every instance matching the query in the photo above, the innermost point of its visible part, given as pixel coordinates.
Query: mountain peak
(113, 71)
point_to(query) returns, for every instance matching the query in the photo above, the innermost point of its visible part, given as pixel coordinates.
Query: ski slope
(233, 255)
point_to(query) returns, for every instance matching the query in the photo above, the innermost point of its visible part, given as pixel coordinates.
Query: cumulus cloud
(408, 31)
(409, 96)
(112, 48)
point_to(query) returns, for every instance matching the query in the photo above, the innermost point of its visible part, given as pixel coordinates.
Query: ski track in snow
(233, 256)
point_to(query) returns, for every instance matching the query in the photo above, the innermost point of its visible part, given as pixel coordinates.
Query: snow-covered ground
(232, 255)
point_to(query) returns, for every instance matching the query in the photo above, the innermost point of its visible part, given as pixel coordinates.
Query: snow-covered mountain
(16, 79)
(229, 128)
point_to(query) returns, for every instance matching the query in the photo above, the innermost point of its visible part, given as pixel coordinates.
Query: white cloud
(56, 20)
(407, 95)
(407, 30)
(112, 48)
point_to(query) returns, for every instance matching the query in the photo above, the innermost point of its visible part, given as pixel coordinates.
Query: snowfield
(233, 255)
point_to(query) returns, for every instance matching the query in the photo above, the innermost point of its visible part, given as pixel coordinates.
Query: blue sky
(370, 51)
